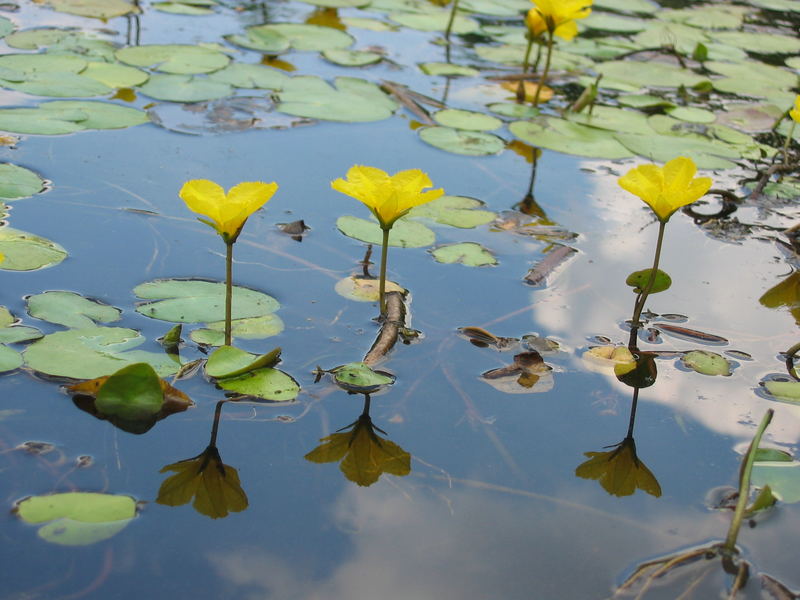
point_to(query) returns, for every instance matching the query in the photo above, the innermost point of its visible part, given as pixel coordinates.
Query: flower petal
(203, 197)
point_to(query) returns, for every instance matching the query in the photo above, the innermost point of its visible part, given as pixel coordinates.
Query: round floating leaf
(362, 289)
(367, 23)
(313, 38)
(707, 363)
(707, 154)
(338, 3)
(404, 233)
(752, 118)
(352, 99)
(71, 309)
(6, 318)
(456, 211)
(18, 333)
(26, 64)
(38, 122)
(707, 17)
(466, 119)
(95, 114)
(228, 361)
(514, 110)
(98, 9)
(570, 138)
(196, 301)
(58, 85)
(249, 76)
(359, 377)
(469, 143)
(246, 329)
(448, 70)
(180, 8)
(772, 455)
(435, 21)
(6, 27)
(18, 182)
(692, 114)
(647, 74)
(268, 384)
(783, 478)
(133, 393)
(77, 518)
(466, 253)
(754, 72)
(351, 58)
(9, 359)
(498, 8)
(615, 23)
(784, 390)
(115, 75)
(27, 252)
(174, 58)
(632, 6)
(613, 119)
(643, 101)
(185, 88)
(638, 280)
(35, 39)
(762, 43)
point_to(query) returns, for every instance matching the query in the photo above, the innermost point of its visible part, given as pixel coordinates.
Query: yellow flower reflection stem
(228, 290)
(639, 306)
(546, 71)
(382, 284)
(526, 65)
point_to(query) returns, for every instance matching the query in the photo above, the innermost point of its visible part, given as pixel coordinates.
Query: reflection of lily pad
(404, 233)
(174, 58)
(469, 143)
(350, 100)
(27, 252)
(456, 211)
(18, 182)
(71, 309)
(465, 253)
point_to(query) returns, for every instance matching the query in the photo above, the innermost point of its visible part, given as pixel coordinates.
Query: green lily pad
(456, 211)
(514, 110)
(338, 3)
(92, 352)
(6, 318)
(97, 115)
(783, 478)
(196, 301)
(570, 138)
(41, 37)
(497, 8)
(613, 119)
(133, 393)
(114, 75)
(351, 58)
(249, 76)
(632, 6)
(175, 59)
(27, 252)
(466, 253)
(638, 280)
(71, 309)
(447, 70)
(63, 41)
(9, 359)
(468, 143)
(708, 16)
(49, 75)
(367, 23)
(77, 518)
(38, 122)
(6, 26)
(514, 54)
(15, 67)
(707, 154)
(611, 22)
(267, 384)
(707, 363)
(360, 378)
(97, 9)
(228, 361)
(466, 119)
(247, 329)
(404, 233)
(18, 182)
(692, 114)
(185, 88)
(179, 8)
(264, 41)
(643, 101)
(19, 333)
(681, 37)
(352, 100)
(312, 38)
(435, 21)
(784, 390)
(772, 455)
(761, 43)
(648, 74)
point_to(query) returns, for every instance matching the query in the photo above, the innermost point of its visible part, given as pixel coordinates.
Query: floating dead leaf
(530, 90)
(8, 140)
(604, 359)
(692, 334)
(483, 339)
(545, 267)
(295, 229)
(528, 374)
(362, 289)
(524, 224)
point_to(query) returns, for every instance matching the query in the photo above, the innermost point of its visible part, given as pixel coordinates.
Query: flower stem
(449, 28)
(787, 142)
(228, 290)
(525, 65)
(546, 71)
(384, 252)
(639, 306)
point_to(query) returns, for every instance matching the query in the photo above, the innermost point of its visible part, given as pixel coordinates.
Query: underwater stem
(546, 71)
(384, 252)
(228, 290)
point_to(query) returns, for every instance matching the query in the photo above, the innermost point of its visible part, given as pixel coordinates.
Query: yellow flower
(795, 112)
(537, 26)
(557, 14)
(389, 197)
(226, 213)
(619, 471)
(2, 257)
(668, 188)
(214, 486)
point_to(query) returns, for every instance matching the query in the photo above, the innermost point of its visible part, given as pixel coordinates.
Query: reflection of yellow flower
(214, 486)
(227, 212)
(795, 112)
(561, 14)
(668, 188)
(389, 197)
(537, 26)
(619, 471)
(366, 456)
(787, 294)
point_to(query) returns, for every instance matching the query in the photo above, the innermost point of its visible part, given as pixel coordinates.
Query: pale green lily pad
(788, 391)
(249, 76)
(351, 100)
(9, 359)
(115, 75)
(92, 352)
(470, 254)
(783, 478)
(682, 37)
(27, 252)
(790, 5)
(755, 72)
(179, 8)
(264, 41)
(6, 27)
(338, 3)
(633, 6)
(71, 309)
(197, 301)
(613, 119)
(185, 88)
(19, 333)
(793, 62)
(58, 85)
(638, 280)
(351, 58)
(466, 119)
(706, 154)
(360, 378)
(456, 211)
(228, 361)
(435, 21)
(367, 23)
(312, 38)
(707, 363)
(692, 114)
(247, 329)
(41, 37)
(468, 143)
(615, 23)
(707, 17)
(404, 233)
(448, 70)
(77, 518)
(643, 101)
(761, 43)
(175, 59)
(96, 114)
(97, 9)
(514, 54)
(63, 41)
(267, 384)
(38, 122)
(6, 318)
(570, 138)
(133, 393)
(362, 289)
(18, 182)
(648, 74)
(772, 455)
(514, 110)
(497, 8)
(26, 64)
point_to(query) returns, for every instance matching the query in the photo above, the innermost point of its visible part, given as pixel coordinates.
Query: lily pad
(352, 58)
(783, 478)
(456, 211)
(267, 384)
(313, 38)
(468, 143)
(71, 309)
(175, 59)
(362, 289)
(196, 301)
(788, 391)
(132, 393)
(9, 359)
(761, 43)
(692, 114)
(77, 518)
(249, 76)
(27, 252)
(466, 119)
(92, 352)
(180, 8)
(185, 88)
(706, 154)
(570, 138)
(643, 101)
(367, 23)
(19, 333)
(18, 182)
(648, 74)
(228, 361)
(114, 75)
(707, 363)
(638, 280)
(514, 110)
(613, 119)
(353, 100)
(247, 329)
(264, 41)
(359, 377)
(707, 17)
(435, 21)
(49, 75)
(448, 70)
(338, 3)
(466, 253)
(404, 233)
(97, 9)
(632, 6)
(615, 23)
(6, 27)
(68, 116)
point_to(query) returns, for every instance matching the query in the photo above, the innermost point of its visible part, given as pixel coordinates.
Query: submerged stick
(394, 321)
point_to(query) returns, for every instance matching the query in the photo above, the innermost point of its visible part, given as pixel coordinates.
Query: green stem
(228, 291)
(786, 143)
(546, 71)
(449, 28)
(384, 252)
(639, 306)
(525, 65)
(744, 484)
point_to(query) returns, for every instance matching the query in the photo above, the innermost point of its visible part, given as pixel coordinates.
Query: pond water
(499, 501)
